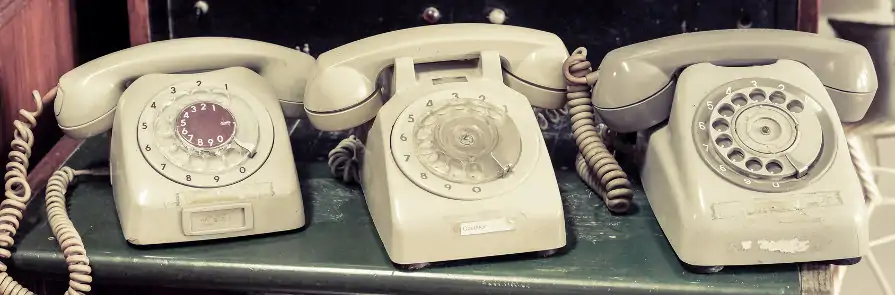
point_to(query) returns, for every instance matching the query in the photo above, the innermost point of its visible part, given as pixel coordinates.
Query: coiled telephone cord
(872, 195)
(595, 164)
(345, 159)
(18, 195)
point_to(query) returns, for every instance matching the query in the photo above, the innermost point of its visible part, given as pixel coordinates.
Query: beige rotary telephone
(199, 147)
(455, 165)
(746, 162)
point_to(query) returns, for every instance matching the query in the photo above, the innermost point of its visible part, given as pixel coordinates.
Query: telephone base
(176, 224)
(419, 227)
(709, 225)
(416, 247)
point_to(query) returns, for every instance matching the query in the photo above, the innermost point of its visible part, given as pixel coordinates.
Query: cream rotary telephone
(455, 166)
(746, 162)
(199, 146)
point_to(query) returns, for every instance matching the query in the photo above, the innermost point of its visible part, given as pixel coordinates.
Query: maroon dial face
(205, 125)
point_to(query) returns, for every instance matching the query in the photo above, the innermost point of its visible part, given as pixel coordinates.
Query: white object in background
(497, 16)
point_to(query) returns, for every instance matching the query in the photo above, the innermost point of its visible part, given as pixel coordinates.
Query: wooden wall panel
(808, 15)
(138, 17)
(36, 47)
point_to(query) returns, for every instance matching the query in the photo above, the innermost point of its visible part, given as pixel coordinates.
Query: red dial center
(205, 125)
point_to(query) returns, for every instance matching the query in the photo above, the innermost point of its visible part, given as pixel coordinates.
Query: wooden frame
(36, 46)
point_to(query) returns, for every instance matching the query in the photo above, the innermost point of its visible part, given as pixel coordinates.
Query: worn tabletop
(339, 250)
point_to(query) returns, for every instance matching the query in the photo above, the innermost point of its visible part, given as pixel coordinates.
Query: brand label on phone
(486, 226)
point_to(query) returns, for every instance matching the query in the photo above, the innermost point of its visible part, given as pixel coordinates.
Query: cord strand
(18, 195)
(595, 164)
(345, 159)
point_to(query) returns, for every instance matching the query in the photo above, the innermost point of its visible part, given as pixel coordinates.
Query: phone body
(199, 145)
(455, 166)
(746, 161)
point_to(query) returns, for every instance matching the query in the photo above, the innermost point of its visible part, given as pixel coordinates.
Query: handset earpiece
(342, 98)
(535, 76)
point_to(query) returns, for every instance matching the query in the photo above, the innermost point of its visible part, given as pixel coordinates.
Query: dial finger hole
(441, 166)
(456, 169)
(774, 167)
(736, 155)
(795, 106)
(753, 164)
(424, 134)
(777, 97)
(430, 158)
(724, 141)
(725, 110)
(757, 94)
(721, 124)
(429, 120)
(475, 171)
(739, 100)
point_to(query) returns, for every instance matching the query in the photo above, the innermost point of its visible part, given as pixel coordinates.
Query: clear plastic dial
(467, 141)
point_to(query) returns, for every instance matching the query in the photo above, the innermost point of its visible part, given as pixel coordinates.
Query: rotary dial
(459, 141)
(465, 145)
(761, 134)
(204, 134)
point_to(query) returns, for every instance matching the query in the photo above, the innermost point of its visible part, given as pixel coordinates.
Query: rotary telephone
(746, 161)
(199, 146)
(454, 165)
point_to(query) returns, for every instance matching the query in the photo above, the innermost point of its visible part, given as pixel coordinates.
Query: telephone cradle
(745, 161)
(454, 165)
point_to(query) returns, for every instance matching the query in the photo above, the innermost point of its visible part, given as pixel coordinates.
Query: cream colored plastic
(421, 217)
(100, 82)
(711, 222)
(637, 81)
(347, 76)
(161, 198)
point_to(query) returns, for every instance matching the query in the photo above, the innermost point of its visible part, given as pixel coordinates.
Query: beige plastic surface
(424, 218)
(634, 89)
(100, 82)
(344, 91)
(709, 221)
(153, 209)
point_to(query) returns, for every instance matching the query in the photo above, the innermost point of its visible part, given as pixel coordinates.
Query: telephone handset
(199, 147)
(752, 154)
(455, 165)
(284, 68)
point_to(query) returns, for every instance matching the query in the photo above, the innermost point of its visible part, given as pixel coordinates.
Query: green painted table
(339, 250)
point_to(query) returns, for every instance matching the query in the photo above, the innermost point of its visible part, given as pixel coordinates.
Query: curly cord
(872, 196)
(595, 164)
(18, 195)
(344, 160)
